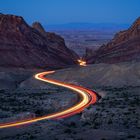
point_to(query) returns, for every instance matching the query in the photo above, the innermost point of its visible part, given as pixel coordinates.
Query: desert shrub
(131, 136)
(103, 139)
(110, 121)
(69, 131)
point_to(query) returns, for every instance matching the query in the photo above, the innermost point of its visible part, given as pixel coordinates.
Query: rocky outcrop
(39, 27)
(55, 41)
(31, 47)
(124, 47)
(88, 53)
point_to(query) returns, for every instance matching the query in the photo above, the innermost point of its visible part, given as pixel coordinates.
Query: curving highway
(87, 97)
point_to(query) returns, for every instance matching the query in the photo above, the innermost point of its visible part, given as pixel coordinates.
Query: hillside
(114, 75)
(125, 46)
(27, 47)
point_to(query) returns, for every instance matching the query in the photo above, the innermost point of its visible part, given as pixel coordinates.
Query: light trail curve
(87, 97)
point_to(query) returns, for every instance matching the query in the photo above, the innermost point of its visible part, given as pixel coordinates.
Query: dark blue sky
(65, 11)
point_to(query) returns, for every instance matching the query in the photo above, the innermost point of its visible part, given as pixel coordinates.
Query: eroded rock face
(124, 47)
(31, 47)
(89, 53)
(56, 42)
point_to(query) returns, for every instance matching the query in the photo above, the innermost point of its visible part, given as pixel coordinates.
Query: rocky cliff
(31, 47)
(125, 46)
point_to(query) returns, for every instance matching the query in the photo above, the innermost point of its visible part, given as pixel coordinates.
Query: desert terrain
(118, 85)
(112, 71)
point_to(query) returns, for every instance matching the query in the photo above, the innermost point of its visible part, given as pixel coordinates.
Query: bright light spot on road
(82, 62)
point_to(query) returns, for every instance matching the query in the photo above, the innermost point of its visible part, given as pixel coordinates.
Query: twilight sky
(66, 11)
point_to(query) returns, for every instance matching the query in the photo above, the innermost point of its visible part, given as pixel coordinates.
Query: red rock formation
(55, 41)
(124, 47)
(89, 53)
(29, 47)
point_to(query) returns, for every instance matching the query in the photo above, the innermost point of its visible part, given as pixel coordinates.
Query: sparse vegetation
(113, 113)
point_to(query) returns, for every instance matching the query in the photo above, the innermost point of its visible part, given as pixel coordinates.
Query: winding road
(87, 97)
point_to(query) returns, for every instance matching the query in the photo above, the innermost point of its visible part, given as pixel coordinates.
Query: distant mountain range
(87, 26)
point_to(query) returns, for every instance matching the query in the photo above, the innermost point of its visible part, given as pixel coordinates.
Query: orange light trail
(87, 97)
